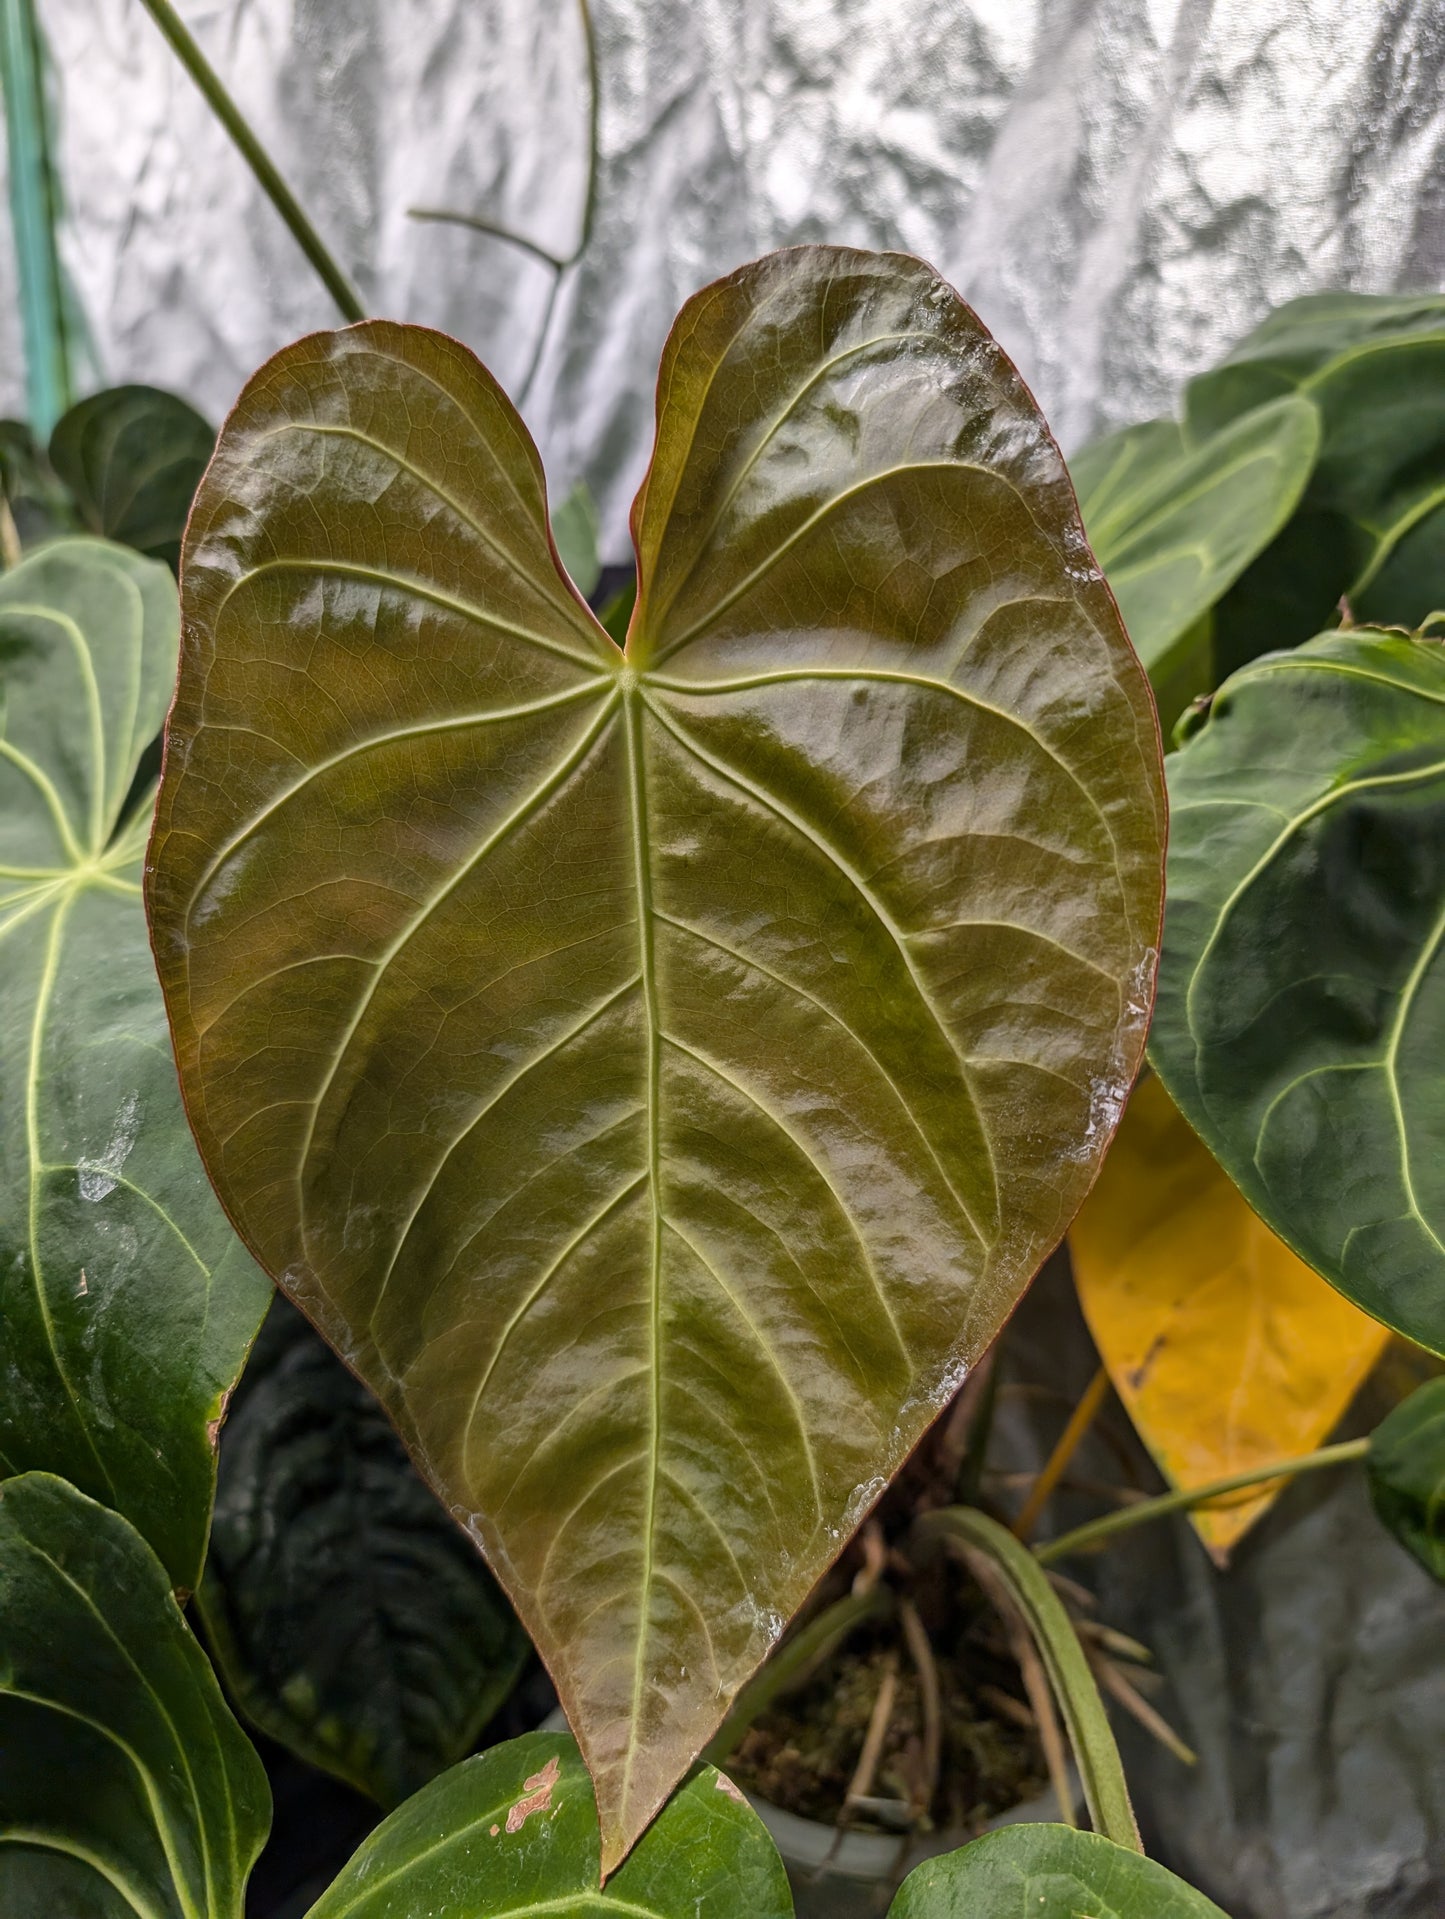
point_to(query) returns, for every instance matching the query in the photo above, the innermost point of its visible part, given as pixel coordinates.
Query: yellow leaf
(1227, 1350)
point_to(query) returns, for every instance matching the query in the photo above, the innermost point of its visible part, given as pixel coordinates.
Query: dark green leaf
(1046, 1872)
(126, 1301)
(658, 1077)
(39, 506)
(574, 533)
(1173, 528)
(352, 1618)
(133, 457)
(513, 1832)
(127, 1791)
(1371, 526)
(1296, 341)
(1301, 1015)
(1406, 1465)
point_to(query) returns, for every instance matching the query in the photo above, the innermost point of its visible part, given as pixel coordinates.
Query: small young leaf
(1406, 1466)
(1228, 1351)
(133, 457)
(574, 533)
(658, 1075)
(352, 1618)
(1046, 1872)
(125, 1785)
(1301, 1015)
(1173, 527)
(514, 1832)
(126, 1301)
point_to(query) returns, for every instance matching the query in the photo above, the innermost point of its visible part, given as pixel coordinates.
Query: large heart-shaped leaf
(127, 1790)
(1046, 1872)
(133, 456)
(1407, 1474)
(1301, 1017)
(350, 1615)
(1371, 525)
(658, 1075)
(1227, 1350)
(513, 1833)
(126, 1301)
(1173, 527)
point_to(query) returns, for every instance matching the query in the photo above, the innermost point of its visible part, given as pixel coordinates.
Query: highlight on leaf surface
(126, 1301)
(1226, 1348)
(1406, 1467)
(1046, 1872)
(1301, 1013)
(658, 1073)
(126, 1787)
(350, 1616)
(514, 1832)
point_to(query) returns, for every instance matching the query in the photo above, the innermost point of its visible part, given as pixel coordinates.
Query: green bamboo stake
(1082, 1538)
(34, 213)
(256, 157)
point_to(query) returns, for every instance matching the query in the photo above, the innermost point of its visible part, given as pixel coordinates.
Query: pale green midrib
(1304, 663)
(1402, 1014)
(519, 815)
(148, 1783)
(50, 968)
(1389, 537)
(876, 907)
(72, 1849)
(588, 689)
(181, 1747)
(1297, 821)
(642, 874)
(45, 786)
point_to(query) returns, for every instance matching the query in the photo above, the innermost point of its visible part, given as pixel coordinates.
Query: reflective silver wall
(1121, 187)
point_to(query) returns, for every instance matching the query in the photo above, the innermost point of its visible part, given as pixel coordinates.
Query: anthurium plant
(657, 1056)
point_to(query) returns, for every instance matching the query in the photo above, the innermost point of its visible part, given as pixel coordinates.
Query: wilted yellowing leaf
(1227, 1350)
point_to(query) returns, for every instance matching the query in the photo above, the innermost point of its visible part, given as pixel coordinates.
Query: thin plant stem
(1073, 1684)
(1097, 1531)
(921, 1653)
(557, 263)
(256, 157)
(1061, 1458)
(34, 213)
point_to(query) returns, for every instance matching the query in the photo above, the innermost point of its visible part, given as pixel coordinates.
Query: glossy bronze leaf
(658, 1074)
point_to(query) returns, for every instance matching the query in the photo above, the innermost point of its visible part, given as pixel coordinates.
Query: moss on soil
(801, 1754)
